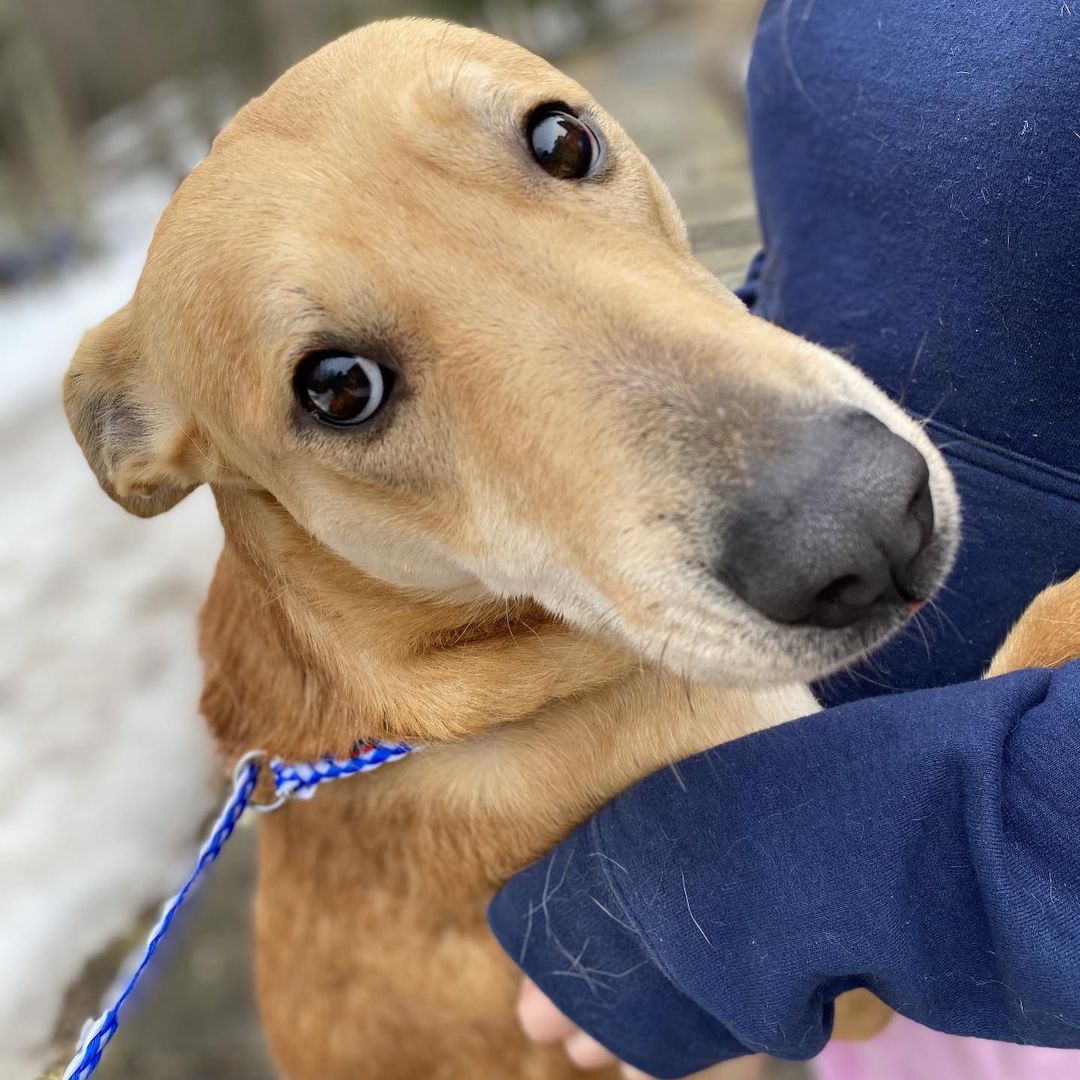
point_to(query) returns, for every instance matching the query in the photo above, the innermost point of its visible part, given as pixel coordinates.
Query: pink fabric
(908, 1051)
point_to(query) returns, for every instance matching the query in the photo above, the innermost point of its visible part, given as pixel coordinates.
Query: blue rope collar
(290, 781)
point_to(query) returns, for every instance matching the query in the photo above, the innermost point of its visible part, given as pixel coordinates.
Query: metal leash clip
(252, 759)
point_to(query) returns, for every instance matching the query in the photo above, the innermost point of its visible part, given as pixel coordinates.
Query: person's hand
(544, 1023)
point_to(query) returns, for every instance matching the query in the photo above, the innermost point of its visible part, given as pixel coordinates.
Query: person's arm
(925, 845)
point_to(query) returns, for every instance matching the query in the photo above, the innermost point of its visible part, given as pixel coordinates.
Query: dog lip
(785, 652)
(802, 654)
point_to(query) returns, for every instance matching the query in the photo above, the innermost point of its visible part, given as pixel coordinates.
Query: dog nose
(833, 525)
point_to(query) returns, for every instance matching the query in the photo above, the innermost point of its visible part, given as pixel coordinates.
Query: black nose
(832, 524)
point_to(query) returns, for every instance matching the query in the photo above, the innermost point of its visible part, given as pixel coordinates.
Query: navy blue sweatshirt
(918, 176)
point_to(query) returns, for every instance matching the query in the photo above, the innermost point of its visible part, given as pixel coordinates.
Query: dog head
(427, 295)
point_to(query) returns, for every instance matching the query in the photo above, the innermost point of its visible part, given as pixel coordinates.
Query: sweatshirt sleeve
(924, 845)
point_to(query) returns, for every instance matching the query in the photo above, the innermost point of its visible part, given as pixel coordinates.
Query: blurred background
(106, 774)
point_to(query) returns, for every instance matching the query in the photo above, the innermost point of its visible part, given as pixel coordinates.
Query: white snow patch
(106, 770)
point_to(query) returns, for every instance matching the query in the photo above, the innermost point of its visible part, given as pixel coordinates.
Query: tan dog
(502, 469)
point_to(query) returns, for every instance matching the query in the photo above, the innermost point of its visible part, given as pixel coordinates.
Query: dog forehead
(386, 115)
(344, 121)
(350, 143)
(432, 56)
(395, 74)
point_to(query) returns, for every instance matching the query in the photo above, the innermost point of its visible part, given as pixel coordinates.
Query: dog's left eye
(342, 390)
(563, 144)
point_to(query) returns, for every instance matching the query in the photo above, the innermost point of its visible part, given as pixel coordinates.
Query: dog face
(428, 296)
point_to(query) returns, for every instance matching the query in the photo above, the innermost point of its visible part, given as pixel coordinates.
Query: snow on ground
(106, 771)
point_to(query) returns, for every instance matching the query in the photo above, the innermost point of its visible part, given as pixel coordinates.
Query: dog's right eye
(564, 145)
(342, 390)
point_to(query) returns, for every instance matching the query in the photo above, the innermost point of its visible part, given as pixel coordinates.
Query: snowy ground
(105, 770)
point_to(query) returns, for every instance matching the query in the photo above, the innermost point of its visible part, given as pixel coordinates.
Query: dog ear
(132, 439)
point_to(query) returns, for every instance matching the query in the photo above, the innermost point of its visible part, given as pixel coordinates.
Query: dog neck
(305, 655)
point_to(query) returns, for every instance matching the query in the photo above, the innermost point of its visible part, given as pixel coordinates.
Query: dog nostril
(845, 600)
(849, 589)
(921, 510)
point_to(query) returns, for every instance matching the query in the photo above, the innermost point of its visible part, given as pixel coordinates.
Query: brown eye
(342, 390)
(563, 144)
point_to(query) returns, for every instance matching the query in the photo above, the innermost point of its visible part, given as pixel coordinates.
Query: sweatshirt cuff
(562, 920)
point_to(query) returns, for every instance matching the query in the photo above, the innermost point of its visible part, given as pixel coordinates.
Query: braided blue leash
(290, 781)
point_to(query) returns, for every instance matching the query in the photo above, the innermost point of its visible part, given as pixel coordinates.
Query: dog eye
(342, 390)
(564, 145)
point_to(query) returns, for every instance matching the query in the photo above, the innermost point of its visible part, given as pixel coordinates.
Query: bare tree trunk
(39, 174)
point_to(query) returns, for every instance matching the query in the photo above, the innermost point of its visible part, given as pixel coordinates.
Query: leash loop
(290, 781)
(253, 757)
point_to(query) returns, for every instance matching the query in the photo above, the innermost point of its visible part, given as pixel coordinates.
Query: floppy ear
(139, 451)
